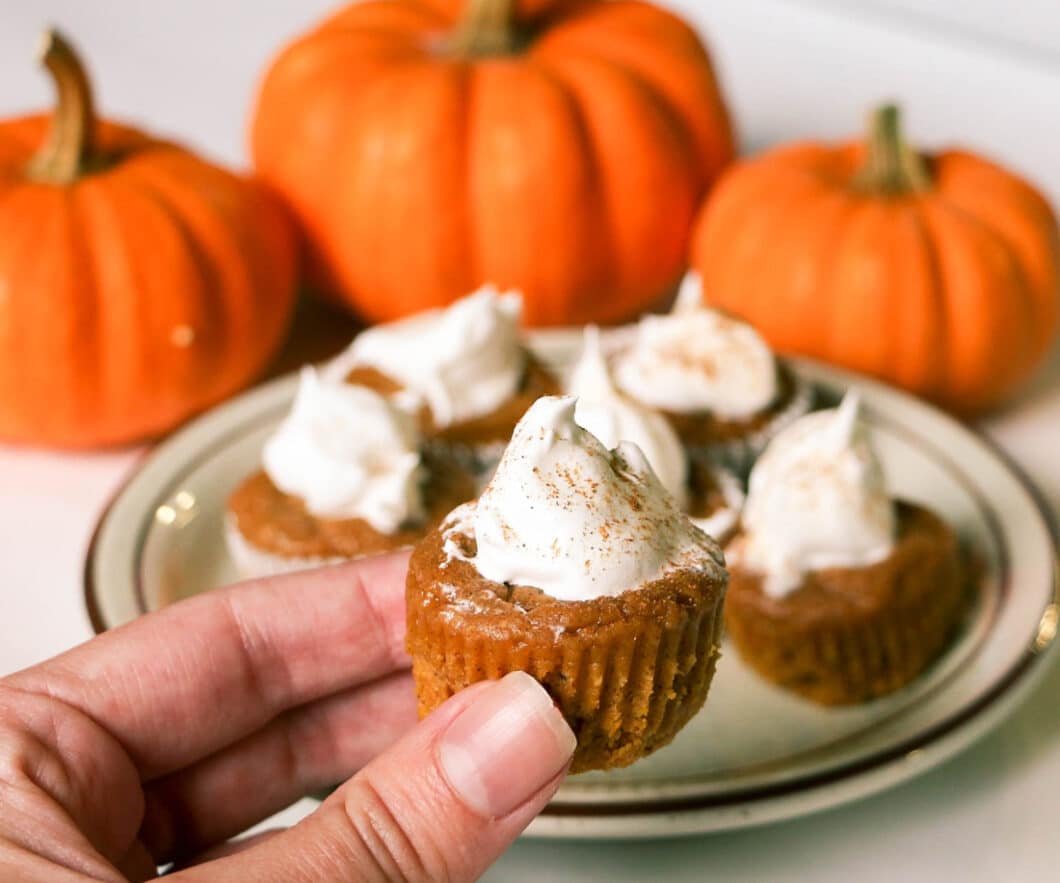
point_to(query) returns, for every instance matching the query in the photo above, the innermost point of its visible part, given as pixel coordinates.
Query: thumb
(442, 804)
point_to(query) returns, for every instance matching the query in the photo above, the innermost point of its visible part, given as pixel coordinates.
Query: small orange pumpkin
(937, 273)
(138, 284)
(561, 148)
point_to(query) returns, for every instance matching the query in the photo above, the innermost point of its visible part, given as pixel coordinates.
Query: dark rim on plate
(1027, 662)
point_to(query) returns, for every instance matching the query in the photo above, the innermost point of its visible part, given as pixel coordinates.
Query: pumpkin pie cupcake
(710, 494)
(462, 370)
(714, 378)
(576, 566)
(838, 593)
(344, 476)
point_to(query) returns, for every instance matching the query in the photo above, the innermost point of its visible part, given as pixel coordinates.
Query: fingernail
(506, 746)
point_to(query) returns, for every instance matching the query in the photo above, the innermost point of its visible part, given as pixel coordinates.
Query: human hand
(158, 741)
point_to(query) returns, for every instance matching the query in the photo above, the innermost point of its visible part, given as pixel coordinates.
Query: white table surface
(791, 68)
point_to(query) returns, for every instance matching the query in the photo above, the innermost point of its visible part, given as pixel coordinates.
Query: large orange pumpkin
(938, 273)
(560, 148)
(138, 284)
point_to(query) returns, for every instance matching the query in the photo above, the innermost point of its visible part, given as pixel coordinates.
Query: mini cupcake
(343, 477)
(462, 370)
(838, 593)
(574, 565)
(709, 493)
(713, 377)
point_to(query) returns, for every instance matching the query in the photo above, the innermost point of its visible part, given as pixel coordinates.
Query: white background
(979, 72)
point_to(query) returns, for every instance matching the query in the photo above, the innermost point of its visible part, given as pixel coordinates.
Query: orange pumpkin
(561, 148)
(937, 273)
(138, 284)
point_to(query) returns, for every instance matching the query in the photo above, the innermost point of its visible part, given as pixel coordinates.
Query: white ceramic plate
(755, 754)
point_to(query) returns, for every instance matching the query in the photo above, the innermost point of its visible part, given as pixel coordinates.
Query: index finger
(179, 684)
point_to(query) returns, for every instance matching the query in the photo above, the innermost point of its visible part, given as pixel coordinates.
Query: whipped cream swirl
(347, 452)
(697, 359)
(567, 516)
(462, 361)
(613, 417)
(817, 499)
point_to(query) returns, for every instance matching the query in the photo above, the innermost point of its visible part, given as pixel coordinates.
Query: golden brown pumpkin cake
(713, 377)
(462, 370)
(848, 635)
(576, 566)
(838, 593)
(715, 498)
(344, 477)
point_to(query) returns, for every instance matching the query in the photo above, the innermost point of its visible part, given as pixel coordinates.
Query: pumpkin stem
(70, 148)
(486, 28)
(891, 165)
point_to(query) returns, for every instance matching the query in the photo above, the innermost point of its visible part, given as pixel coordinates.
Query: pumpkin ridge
(87, 317)
(394, 209)
(828, 211)
(786, 191)
(36, 227)
(650, 58)
(964, 320)
(931, 250)
(1019, 215)
(472, 246)
(277, 170)
(658, 97)
(850, 247)
(117, 372)
(216, 316)
(157, 360)
(548, 117)
(105, 236)
(589, 78)
(596, 186)
(256, 227)
(1020, 283)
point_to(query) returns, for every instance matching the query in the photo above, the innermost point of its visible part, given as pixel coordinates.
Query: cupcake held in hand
(709, 493)
(344, 476)
(578, 567)
(713, 377)
(838, 592)
(462, 369)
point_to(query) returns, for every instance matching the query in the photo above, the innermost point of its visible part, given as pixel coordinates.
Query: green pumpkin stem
(70, 148)
(891, 165)
(486, 28)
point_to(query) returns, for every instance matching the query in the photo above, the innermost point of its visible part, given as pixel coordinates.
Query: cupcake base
(627, 672)
(252, 562)
(719, 498)
(269, 531)
(851, 635)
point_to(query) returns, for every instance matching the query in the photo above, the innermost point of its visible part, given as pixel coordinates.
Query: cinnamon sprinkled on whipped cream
(564, 514)
(698, 359)
(817, 499)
